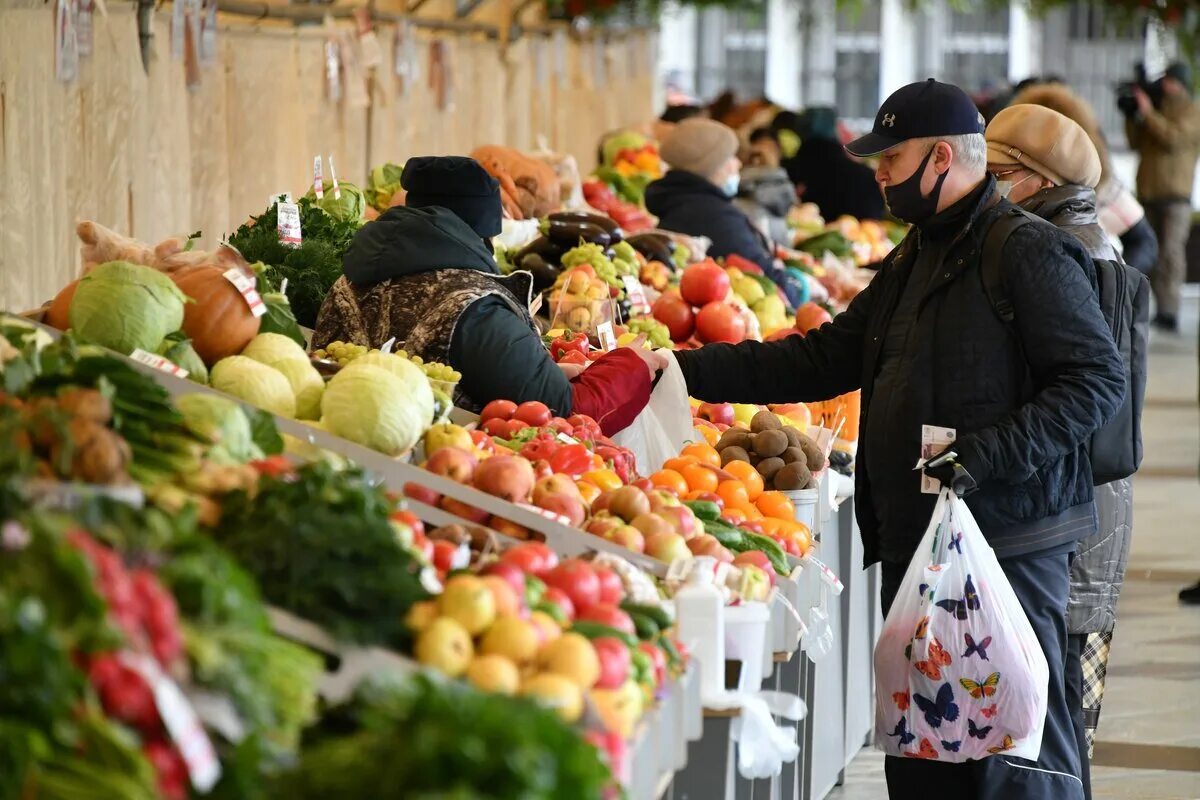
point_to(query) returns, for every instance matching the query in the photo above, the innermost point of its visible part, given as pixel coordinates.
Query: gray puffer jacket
(1099, 567)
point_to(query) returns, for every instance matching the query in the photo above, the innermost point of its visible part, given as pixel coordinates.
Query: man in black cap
(1023, 387)
(424, 275)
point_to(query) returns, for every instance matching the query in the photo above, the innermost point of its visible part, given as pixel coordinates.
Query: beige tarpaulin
(144, 154)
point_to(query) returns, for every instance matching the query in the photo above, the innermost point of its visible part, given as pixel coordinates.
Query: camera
(1127, 91)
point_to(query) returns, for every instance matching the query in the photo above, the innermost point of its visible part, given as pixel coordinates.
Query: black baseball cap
(926, 108)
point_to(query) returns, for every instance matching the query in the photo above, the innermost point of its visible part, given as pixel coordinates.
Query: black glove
(951, 474)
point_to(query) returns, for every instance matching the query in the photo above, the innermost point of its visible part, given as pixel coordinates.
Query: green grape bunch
(656, 333)
(340, 352)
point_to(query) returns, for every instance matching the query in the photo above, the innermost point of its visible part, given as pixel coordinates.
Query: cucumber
(647, 629)
(732, 539)
(595, 630)
(774, 552)
(705, 510)
(656, 613)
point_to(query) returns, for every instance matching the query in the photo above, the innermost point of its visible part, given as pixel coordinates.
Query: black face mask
(905, 201)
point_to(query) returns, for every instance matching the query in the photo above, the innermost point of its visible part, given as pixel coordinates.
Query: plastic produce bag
(665, 424)
(959, 673)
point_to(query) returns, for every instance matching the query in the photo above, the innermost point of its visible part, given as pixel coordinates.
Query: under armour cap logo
(889, 120)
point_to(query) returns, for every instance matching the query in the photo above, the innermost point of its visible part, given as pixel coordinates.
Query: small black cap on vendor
(459, 184)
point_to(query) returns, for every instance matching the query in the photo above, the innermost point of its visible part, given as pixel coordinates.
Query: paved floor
(1148, 744)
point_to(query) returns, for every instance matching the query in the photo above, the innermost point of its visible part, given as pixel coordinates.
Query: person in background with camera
(1120, 214)
(1165, 132)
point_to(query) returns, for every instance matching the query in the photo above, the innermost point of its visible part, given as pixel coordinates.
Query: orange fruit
(772, 526)
(700, 478)
(711, 435)
(670, 479)
(752, 512)
(734, 494)
(748, 475)
(704, 453)
(776, 504)
(679, 462)
(588, 491)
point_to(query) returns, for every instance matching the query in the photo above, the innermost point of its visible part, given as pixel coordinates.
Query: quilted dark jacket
(1024, 397)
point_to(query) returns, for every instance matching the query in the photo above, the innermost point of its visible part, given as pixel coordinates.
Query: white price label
(636, 294)
(562, 437)
(178, 17)
(288, 216)
(181, 722)
(608, 340)
(535, 305)
(337, 193)
(318, 178)
(246, 284)
(158, 362)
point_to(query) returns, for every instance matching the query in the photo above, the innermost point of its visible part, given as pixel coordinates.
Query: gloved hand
(951, 474)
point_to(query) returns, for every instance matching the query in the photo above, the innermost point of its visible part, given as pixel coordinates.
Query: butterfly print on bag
(939, 709)
(979, 648)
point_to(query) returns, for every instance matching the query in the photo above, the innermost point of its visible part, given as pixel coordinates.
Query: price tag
(181, 722)
(246, 284)
(388, 345)
(159, 363)
(636, 294)
(535, 305)
(208, 32)
(608, 340)
(83, 26)
(66, 41)
(318, 178)
(337, 193)
(562, 437)
(288, 216)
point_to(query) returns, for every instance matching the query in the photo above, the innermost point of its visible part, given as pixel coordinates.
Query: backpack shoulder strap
(992, 266)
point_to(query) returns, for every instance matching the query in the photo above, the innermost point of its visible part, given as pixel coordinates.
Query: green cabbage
(222, 422)
(382, 185)
(350, 206)
(255, 383)
(378, 408)
(307, 385)
(126, 307)
(178, 349)
(273, 348)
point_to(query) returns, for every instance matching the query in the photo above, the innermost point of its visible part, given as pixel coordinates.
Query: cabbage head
(382, 185)
(178, 349)
(307, 385)
(376, 408)
(255, 383)
(350, 206)
(126, 307)
(222, 422)
(273, 348)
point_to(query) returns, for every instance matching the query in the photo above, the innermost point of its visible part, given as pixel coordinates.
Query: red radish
(720, 322)
(704, 283)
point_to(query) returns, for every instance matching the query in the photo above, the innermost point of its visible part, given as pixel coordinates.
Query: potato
(792, 476)
(733, 453)
(765, 421)
(793, 435)
(770, 443)
(769, 466)
(793, 454)
(813, 455)
(735, 437)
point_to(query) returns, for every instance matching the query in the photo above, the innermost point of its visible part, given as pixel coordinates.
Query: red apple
(667, 547)
(578, 580)
(809, 316)
(658, 657)
(508, 528)
(600, 524)
(758, 559)
(608, 614)
(467, 512)
(611, 589)
(453, 463)
(682, 519)
(533, 558)
(510, 478)
(716, 412)
(645, 484)
(556, 483)
(712, 497)
(421, 494)
(565, 505)
(615, 661)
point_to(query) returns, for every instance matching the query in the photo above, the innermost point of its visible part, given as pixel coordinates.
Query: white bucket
(805, 501)
(746, 641)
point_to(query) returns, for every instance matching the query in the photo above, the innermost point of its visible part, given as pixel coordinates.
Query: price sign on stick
(158, 362)
(608, 341)
(318, 178)
(337, 193)
(246, 284)
(288, 216)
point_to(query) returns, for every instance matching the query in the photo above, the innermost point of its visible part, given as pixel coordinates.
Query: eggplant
(544, 273)
(615, 234)
(570, 234)
(655, 247)
(548, 250)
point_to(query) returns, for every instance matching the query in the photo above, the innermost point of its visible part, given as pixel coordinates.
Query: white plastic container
(746, 641)
(700, 624)
(805, 501)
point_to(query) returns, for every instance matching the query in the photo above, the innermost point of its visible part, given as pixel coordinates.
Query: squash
(218, 321)
(57, 312)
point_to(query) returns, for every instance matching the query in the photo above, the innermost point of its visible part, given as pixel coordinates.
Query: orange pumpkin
(58, 312)
(219, 321)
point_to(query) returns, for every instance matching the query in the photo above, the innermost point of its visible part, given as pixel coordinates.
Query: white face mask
(1006, 187)
(731, 185)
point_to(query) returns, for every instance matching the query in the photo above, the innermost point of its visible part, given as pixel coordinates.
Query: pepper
(622, 460)
(274, 466)
(573, 357)
(540, 449)
(569, 343)
(572, 459)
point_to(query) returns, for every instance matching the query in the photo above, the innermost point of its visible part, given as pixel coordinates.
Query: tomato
(720, 322)
(274, 466)
(560, 425)
(809, 316)
(534, 413)
(578, 580)
(498, 409)
(674, 312)
(513, 427)
(496, 426)
(611, 589)
(704, 283)
(483, 442)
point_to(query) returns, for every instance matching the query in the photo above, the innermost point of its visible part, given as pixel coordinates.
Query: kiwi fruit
(768, 467)
(765, 421)
(812, 454)
(733, 453)
(793, 454)
(792, 476)
(735, 437)
(770, 443)
(793, 435)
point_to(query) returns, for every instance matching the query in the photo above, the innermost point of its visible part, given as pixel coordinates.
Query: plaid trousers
(1095, 668)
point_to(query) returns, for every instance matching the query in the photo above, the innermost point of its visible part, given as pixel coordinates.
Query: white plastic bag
(959, 673)
(665, 424)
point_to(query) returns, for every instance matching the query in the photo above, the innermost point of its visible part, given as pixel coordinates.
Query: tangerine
(702, 452)
(776, 504)
(700, 478)
(734, 493)
(747, 474)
